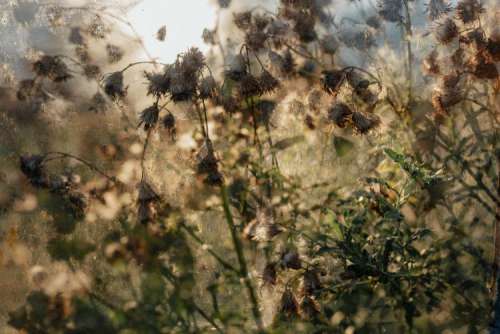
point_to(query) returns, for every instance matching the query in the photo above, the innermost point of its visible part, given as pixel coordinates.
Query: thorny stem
(241, 258)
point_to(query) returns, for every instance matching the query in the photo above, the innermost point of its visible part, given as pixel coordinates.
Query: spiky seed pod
(309, 308)
(291, 259)
(493, 49)
(364, 123)
(243, 20)
(332, 81)
(169, 125)
(437, 8)
(310, 283)
(256, 39)
(288, 65)
(31, 166)
(91, 71)
(431, 64)
(115, 53)
(483, 68)
(304, 27)
(159, 83)
(268, 83)
(149, 117)
(269, 274)
(476, 38)
(469, 10)
(113, 85)
(329, 44)
(446, 31)
(390, 10)
(288, 307)
(193, 61)
(249, 86)
(237, 68)
(340, 114)
(53, 68)
(208, 88)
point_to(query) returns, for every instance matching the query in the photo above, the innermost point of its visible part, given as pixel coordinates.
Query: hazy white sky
(185, 21)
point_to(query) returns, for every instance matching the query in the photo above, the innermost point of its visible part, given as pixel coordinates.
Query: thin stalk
(408, 34)
(241, 259)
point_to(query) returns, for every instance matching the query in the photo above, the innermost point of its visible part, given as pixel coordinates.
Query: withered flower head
(243, 20)
(291, 259)
(193, 60)
(288, 306)
(482, 67)
(53, 68)
(304, 27)
(469, 10)
(437, 8)
(113, 85)
(446, 31)
(256, 39)
(309, 308)
(169, 124)
(237, 68)
(31, 166)
(149, 117)
(115, 53)
(269, 275)
(249, 86)
(208, 165)
(332, 81)
(159, 83)
(329, 44)
(340, 114)
(363, 122)
(208, 88)
(390, 10)
(267, 82)
(431, 64)
(75, 36)
(91, 71)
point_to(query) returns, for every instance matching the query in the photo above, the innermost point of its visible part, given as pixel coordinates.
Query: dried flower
(115, 54)
(169, 124)
(431, 64)
(340, 114)
(255, 39)
(243, 20)
(53, 68)
(329, 44)
(469, 10)
(159, 83)
(161, 34)
(75, 36)
(249, 86)
(437, 8)
(304, 27)
(332, 80)
(363, 122)
(237, 68)
(288, 307)
(113, 85)
(446, 31)
(268, 83)
(149, 117)
(291, 259)
(390, 10)
(208, 88)
(269, 275)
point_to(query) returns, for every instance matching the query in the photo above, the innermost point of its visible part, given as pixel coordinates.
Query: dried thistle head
(169, 124)
(208, 165)
(469, 11)
(304, 27)
(149, 117)
(332, 81)
(159, 83)
(237, 68)
(249, 86)
(161, 34)
(53, 68)
(288, 307)
(115, 53)
(208, 88)
(243, 20)
(269, 274)
(267, 82)
(437, 8)
(32, 168)
(390, 10)
(256, 39)
(291, 259)
(446, 31)
(431, 64)
(329, 44)
(482, 67)
(340, 114)
(363, 122)
(113, 85)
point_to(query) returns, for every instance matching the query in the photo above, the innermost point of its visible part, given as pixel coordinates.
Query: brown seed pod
(446, 31)
(363, 122)
(53, 68)
(288, 307)
(469, 10)
(332, 81)
(340, 114)
(113, 85)
(431, 64)
(149, 117)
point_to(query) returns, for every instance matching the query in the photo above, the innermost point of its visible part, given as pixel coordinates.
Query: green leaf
(342, 146)
(62, 249)
(288, 142)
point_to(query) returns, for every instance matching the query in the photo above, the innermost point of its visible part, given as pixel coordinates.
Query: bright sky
(185, 21)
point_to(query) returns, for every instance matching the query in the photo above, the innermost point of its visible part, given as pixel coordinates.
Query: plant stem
(408, 34)
(241, 258)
